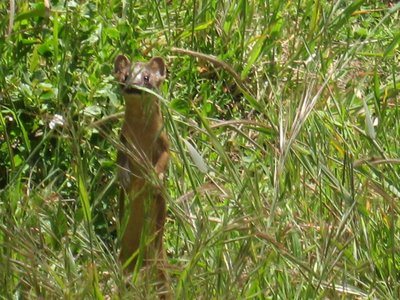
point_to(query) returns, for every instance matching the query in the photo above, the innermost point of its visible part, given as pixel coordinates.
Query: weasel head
(131, 75)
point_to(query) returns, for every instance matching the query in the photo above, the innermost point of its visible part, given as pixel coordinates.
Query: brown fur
(142, 161)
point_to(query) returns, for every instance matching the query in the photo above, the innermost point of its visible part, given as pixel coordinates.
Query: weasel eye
(146, 78)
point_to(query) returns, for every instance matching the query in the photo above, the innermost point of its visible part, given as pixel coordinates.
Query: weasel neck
(143, 121)
(141, 109)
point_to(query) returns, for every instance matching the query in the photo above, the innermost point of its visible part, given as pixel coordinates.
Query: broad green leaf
(38, 11)
(93, 110)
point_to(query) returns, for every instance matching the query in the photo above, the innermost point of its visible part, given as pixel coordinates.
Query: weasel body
(143, 157)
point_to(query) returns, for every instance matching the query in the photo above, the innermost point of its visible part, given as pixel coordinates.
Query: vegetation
(284, 123)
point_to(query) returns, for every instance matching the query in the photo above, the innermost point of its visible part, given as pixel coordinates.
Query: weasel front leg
(161, 164)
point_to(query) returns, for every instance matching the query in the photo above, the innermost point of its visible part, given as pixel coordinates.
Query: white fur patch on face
(137, 74)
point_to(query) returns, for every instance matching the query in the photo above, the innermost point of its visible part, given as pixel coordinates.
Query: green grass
(290, 189)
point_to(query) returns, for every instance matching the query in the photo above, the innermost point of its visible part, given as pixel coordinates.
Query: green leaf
(111, 32)
(377, 91)
(346, 15)
(34, 63)
(200, 27)
(392, 46)
(93, 110)
(84, 197)
(254, 54)
(204, 25)
(38, 11)
(46, 49)
(180, 105)
(315, 17)
(17, 160)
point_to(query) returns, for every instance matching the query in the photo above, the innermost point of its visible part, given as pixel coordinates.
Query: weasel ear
(122, 66)
(157, 65)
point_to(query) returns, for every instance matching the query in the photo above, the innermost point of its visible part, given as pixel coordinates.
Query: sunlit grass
(289, 188)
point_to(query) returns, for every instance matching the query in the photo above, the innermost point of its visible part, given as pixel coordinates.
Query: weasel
(144, 152)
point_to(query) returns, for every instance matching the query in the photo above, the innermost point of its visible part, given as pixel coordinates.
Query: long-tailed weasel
(143, 154)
